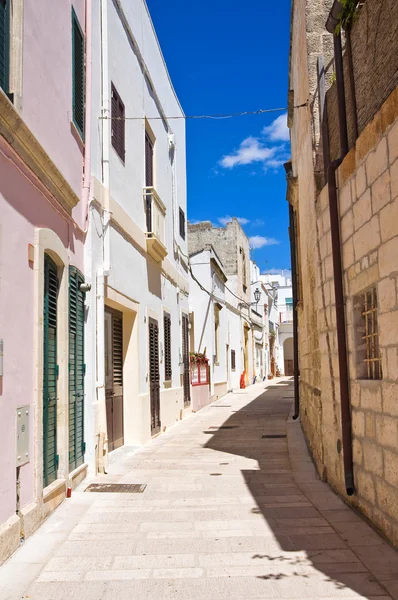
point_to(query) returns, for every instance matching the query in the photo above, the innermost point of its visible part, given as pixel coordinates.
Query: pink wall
(23, 208)
(47, 82)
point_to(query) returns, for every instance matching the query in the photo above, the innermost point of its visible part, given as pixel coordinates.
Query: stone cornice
(17, 134)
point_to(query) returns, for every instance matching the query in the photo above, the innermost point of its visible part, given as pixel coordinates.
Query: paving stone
(266, 528)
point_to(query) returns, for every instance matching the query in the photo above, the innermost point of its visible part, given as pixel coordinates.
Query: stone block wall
(227, 242)
(368, 204)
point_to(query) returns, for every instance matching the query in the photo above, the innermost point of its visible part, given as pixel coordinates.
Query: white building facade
(281, 317)
(137, 338)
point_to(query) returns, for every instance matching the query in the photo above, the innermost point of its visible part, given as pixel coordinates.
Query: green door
(76, 369)
(50, 371)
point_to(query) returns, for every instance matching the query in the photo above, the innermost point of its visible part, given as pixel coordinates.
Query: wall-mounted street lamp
(257, 295)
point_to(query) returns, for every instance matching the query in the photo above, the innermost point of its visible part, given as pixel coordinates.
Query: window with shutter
(182, 224)
(233, 360)
(117, 347)
(76, 369)
(77, 74)
(167, 347)
(118, 124)
(4, 44)
(185, 358)
(148, 161)
(50, 371)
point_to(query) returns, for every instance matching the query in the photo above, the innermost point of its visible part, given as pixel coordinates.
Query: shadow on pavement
(311, 539)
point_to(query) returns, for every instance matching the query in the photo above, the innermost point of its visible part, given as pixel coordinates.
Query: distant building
(231, 246)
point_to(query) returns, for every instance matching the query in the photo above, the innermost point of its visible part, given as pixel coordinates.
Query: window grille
(370, 337)
(233, 360)
(182, 224)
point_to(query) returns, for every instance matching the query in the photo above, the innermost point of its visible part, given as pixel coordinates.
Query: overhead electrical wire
(216, 116)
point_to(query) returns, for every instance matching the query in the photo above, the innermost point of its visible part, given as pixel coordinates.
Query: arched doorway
(288, 356)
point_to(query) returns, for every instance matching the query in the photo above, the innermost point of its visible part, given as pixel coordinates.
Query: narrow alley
(232, 508)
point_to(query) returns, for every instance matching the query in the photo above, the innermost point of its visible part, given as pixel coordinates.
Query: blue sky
(230, 57)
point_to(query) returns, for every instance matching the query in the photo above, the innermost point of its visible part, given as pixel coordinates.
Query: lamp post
(257, 296)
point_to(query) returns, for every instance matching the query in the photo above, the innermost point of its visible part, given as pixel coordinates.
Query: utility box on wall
(22, 435)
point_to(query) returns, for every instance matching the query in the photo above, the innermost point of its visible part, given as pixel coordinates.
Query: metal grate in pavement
(120, 488)
(273, 436)
(223, 426)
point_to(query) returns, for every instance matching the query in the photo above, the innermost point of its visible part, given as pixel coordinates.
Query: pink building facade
(42, 221)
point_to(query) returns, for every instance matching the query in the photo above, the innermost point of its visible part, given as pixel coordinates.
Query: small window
(77, 74)
(367, 336)
(167, 346)
(148, 161)
(216, 333)
(118, 124)
(5, 44)
(182, 224)
(233, 360)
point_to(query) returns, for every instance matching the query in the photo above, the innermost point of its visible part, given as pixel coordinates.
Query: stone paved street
(227, 514)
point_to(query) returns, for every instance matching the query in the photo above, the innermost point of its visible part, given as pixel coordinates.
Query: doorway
(114, 377)
(154, 375)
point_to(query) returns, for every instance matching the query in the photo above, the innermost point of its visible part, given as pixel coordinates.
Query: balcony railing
(155, 224)
(286, 316)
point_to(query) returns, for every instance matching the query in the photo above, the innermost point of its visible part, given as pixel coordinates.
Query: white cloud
(278, 130)
(258, 241)
(251, 150)
(285, 272)
(228, 219)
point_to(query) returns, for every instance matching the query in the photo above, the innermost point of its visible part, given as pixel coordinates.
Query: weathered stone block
(389, 221)
(394, 179)
(377, 161)
(365, 486)
(381, 192)
(362, 209)
(392, 369)
(358, 423)
(345, 198)
(347, 226)
(357, 451)
(387, 295)
(388, 254)
(371, 395)
(387, 498)
(348, 253)
(364, 279)
(388, 328)
(355, 393)
(390, 397)
(392, 141)
(361, 181)
(370, 428)
(387, 431)
(373, 458)
(367, 238)
(391, 467)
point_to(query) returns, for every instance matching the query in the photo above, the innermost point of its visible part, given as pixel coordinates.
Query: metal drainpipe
(337, 267)
(292, 235)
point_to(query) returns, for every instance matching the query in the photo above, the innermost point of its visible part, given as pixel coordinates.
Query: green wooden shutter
(167, 346)
(77, 74)
(50, 371)
(4, 44)
(76, 369)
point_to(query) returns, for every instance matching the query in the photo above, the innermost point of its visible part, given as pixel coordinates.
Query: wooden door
(154, 375)
(114, 378)
(185, 358)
